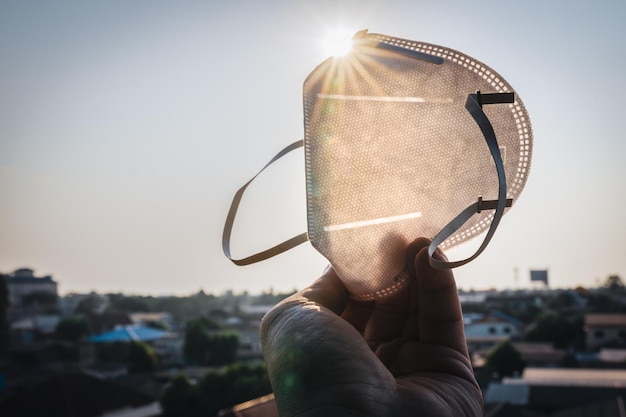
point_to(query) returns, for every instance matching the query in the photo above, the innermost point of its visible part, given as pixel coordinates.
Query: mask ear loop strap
(230, 219)
(474, 105)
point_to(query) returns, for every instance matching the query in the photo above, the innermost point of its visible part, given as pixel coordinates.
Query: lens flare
(338, 42)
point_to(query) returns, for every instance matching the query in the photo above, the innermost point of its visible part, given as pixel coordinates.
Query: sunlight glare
(338, 42)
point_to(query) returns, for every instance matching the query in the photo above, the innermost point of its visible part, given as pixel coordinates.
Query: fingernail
(440, 256)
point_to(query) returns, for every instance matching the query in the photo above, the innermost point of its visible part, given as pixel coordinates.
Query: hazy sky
(126, 128)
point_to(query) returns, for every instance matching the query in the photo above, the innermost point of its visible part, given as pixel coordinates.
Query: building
(163, 318)
(167, 345)
(25, 287)
(92, 302)
(247, 327)
(493, 324)
(605, 330)
(550, 389)
(31, 329)
(539, 354)
(30, 295)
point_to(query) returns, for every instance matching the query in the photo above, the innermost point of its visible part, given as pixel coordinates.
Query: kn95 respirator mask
(403, 139)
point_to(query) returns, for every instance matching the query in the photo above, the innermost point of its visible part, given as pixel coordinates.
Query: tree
(5, 330)
(202, 348)
(116, 352)
(505, 359)
(92, 304)
(215, 391)
(614, 284)
(139, 357)
(209, 323)
(550, 327)
(196, 343)
(563, 300)
(603, 303)
(128, 304)
(245, 381)
(222, 349)
(142, 358)
(270, 298)
(177, 399)
(73, 329)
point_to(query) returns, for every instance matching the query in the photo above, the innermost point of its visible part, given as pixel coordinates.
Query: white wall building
(493, 324)
(23, 282)
(604, 329)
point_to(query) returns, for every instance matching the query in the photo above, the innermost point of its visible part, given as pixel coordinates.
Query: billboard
(539, 275)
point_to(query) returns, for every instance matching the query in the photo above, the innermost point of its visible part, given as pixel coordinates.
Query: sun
(338, 42)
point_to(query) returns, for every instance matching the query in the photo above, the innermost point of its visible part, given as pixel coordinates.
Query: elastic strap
(474, 105)
(230, 219)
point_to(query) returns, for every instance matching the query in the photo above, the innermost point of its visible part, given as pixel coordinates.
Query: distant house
(167, 345)
(25, 288)
(33, 328)
(96, 303)
(604, 408)
(551, 389)
(484, 331)
(256, 311)
(515, 301)
(137, 333)
(539, 354)
(614, 356)
(164, 318)
(41, 323)
(605, 330)
(492, 324)
(247, 327)
(249, 343)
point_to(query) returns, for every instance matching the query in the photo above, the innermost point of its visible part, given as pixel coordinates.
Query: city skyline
(126, 129)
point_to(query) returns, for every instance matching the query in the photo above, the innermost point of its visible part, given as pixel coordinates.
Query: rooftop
(605, 320)
(27, 276)
(613, 378)
(128, 333)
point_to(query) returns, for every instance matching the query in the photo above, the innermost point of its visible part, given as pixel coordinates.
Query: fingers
(440, 316)
(411, 253)
(358, 314)
(396, 315)
(328, 291)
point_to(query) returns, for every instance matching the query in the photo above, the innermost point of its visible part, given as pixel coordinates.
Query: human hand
(405, 355)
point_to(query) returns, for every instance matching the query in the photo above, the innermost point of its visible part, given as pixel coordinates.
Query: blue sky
(126, 128)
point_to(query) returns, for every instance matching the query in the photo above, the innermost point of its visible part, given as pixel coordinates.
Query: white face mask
(400, 143)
